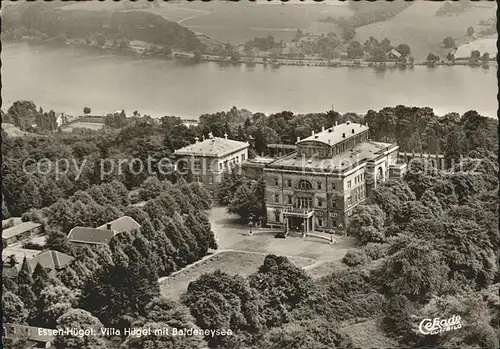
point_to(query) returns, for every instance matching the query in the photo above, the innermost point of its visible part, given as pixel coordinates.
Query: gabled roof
(336, 134)
(19, 229)
(395, 52)
(92, 236)
(50, 260)
(122, 224)
(213, 147)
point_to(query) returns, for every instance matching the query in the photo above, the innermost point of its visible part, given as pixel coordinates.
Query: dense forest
(426, 243)
(48, 21)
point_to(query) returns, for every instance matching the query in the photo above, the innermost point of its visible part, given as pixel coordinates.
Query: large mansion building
(317, 186)
(208, 159)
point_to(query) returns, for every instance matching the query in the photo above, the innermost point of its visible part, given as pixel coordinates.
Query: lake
(68, 79)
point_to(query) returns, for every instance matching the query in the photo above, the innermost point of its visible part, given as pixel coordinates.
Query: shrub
(354, 258)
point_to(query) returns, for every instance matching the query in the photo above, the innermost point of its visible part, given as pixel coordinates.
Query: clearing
(369, 334)
(418, 27)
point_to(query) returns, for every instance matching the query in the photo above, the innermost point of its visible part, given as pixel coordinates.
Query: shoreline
(274, 62)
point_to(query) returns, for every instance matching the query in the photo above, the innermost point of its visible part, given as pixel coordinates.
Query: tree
(470, 31)
(432, 58)
(53, 302)
(87, 110)
(348, 34)
(58, 241)
(475, 54)
(13, 309)
(406, 272)
(116, 290)
(317, 334)
(283, 287)
(78, 319)
(486, 57)
(379, 55)
(160, 341)
(403, 49)
(366, 224)
(449, 42)
(355, 50)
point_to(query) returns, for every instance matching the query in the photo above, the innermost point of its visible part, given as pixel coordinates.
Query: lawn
(234, 263)
(232, 235)
(418, 27)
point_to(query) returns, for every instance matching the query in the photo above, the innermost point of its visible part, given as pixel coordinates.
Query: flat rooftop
(336, 134)
(19, 229)
(212, 147)
(365, 151)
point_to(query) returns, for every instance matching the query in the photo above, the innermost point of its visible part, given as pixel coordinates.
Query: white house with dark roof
(209, 158)
(102, 234)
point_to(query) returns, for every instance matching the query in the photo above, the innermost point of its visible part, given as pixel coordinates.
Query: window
(210, 180)
(319, 185)
(289, 183)
(276, 182)
(220, 166)
(242, 157)
(276, 198)
(349, 201)
(334, 203)
(334, 222)
(277, 216)
(197, 165)
(305, 185)
(320, 202)
(290, 199)
(196, 178)
(320, 222)
(348, 184)
(333, 186)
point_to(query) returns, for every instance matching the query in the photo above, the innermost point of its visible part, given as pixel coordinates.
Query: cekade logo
(437, 325)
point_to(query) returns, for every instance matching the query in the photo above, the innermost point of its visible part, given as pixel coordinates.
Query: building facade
(330, 173)
(208, 159)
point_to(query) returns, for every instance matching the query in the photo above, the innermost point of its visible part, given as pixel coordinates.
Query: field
(481, 45)
(237, 22)
(234, 263)
(418, 27)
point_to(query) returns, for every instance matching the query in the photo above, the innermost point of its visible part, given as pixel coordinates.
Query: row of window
(198, 179)
(303, 184)
(303, 202)
(358, 179)
(232, 161)
(355, 196)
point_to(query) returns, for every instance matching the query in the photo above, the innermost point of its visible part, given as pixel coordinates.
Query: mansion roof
(336, 134)
(212, 147)
(363, 152)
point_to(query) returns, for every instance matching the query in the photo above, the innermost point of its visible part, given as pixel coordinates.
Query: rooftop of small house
(92, 236)
(362, 152)
(212, 147)
(121, 225)
(336, 134)
(50, 260)
(19, 229)
(103, 233)
(31, 333)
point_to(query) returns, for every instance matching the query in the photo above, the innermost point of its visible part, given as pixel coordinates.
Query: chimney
(196, 139)
(312, 133)
(322, 128)
(298, 139)
(108, 226)
(343, 135)
(225, 135)
(348, 122)
(336, 123)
